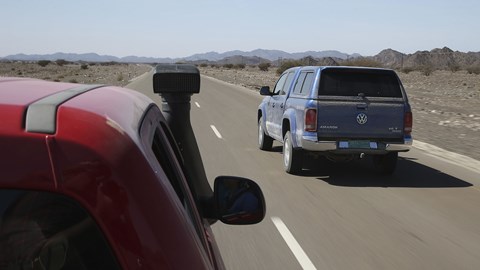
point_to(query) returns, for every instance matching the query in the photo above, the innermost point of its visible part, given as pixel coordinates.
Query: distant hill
(443, 58)
(87, 57)
(270, 55)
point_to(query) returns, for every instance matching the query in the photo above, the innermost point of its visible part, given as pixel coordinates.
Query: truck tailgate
(360, 120)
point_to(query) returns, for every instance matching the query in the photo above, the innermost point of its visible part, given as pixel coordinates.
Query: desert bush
(454, 67)
(264, 66)
(43, 63)
(61, 62)
(407, 70)
(228, 66)
(73, 81)
(239, 66)
(426, 70)
(204, 65)
(120, 77)
(213, 66)
(362, 62)
(84, 66)
(288, 64)
(473, 70)
(111, 63)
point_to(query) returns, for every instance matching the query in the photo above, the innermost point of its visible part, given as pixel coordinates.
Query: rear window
(353, 82)
(41, 230)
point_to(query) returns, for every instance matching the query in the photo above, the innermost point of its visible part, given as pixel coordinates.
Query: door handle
(281, 106)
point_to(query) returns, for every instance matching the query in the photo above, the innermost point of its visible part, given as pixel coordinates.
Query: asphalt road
(336, 216)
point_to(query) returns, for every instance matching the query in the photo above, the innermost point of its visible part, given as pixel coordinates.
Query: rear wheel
(292, 158)
(385, 164)
(265, 142)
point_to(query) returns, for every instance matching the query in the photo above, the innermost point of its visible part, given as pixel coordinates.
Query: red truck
(92, 177)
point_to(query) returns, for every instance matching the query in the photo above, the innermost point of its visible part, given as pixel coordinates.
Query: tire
(292, 158)
(265, 142)
(385, 164)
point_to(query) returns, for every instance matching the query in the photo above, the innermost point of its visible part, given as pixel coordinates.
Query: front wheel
(292, 158)
(385, 164)
(265, 142)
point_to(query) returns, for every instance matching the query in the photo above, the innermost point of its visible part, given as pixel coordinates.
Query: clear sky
(180, 28)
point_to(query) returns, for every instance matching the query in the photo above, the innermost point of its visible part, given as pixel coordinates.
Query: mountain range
(270, 55)
(443, 58)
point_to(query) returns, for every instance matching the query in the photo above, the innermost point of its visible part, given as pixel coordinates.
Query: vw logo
(362, 118)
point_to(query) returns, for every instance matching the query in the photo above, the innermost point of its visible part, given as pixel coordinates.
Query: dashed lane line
(294, 246)
(216, 131)
(198, 105)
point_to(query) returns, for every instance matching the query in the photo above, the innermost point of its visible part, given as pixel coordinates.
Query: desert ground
(445, 104)
(106, 73)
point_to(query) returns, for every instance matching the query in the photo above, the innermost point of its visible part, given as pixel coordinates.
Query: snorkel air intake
(176, 83)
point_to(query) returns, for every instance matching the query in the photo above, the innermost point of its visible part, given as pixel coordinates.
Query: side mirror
(238, 200)
(265, 91)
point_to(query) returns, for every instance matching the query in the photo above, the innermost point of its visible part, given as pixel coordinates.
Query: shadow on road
(361, 174)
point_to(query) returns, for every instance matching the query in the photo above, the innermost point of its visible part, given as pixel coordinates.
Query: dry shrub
(239, 66)
(426, 70)
(264, 66)
(288, 64)
(407, 70)
(473, 70)
(61, 62)
(43, 63)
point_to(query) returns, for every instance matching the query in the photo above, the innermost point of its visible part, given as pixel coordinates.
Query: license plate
(358, 144)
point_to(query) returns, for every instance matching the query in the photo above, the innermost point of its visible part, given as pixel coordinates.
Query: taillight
(311, 120)
(407, 123)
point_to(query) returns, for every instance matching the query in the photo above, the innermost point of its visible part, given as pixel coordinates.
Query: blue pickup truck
(341, 113)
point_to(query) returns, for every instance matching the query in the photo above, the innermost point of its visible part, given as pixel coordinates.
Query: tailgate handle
(362, 106)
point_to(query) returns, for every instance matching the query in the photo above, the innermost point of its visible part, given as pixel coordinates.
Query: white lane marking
(297, 250)
(198, 105)
(216, 131)
(447, 156)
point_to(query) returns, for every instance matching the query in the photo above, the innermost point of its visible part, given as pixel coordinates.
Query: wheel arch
(289, 124)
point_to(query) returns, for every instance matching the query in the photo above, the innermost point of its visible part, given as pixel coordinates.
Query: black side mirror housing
(265, 91)
(238, 200)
